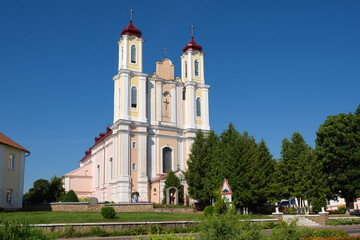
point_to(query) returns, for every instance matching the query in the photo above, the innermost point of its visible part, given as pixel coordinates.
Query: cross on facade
(131, 14)
(166, 103)
(192, 30)
(165, 51)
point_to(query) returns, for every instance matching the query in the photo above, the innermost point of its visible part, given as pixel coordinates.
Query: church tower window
(133, 166)
(133, 97)
(167, 152)
(196, 63)
(133, 54)
(198, 107)
(185, 69)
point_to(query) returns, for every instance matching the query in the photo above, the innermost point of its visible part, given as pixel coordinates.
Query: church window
(12, 161)
(196, 63)
(98, 176)
(198, 107)
(133, 166)
(111, 168)
(185, 69)
(9, 197)
(133, 54)
(133, 145)
(167, 152)
(133, 97)
(122, 54)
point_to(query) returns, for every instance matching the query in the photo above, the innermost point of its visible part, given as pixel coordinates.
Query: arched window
(122, 55)
(185, 69)
(198, 107)
(133, 97)
(196, 67)
(111, 168)
(133, 54)
(98, 176)
(133, 166)
(166, 159)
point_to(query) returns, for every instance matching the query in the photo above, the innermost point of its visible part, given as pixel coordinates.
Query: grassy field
(88, 217)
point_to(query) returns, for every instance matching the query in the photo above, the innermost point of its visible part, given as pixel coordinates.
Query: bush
(317, 205)
(341, 209)
(17, 230)
(108, 212)
(70, 196)
(208, 211)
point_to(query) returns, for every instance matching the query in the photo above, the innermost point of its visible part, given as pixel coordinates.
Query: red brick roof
(7, 141)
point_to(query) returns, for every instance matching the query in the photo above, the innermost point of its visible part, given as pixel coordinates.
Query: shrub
(341, 209)
(108, 212)
(17, 230)
(70, 196)
(317, 205)
(208, 211)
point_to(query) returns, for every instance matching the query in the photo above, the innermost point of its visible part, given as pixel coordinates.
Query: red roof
(192, 45)
(101, 137)
(7, 141)
(131, 31)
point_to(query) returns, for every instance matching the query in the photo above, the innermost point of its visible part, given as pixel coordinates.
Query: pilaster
(158, 101)
(173, 104)
(205, 108)
(142, 97)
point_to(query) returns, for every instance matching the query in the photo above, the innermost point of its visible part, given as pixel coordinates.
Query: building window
(196, 67)
(167, 152)
(133, 54)
(133, 166)
(185, 69)
(98, 176)
(12, 161)
(133, 97)
(184, 94)
(9, 197)
(122, 55)
(111, 168)
(133, 144)
(198, 107)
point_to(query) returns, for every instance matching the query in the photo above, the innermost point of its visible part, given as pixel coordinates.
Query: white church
(156, 117)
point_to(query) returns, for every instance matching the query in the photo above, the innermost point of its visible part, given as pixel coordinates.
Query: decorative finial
(192, 30)
(165, 51)
(131, 14)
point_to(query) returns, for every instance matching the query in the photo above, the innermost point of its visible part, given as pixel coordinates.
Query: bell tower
(196, 92)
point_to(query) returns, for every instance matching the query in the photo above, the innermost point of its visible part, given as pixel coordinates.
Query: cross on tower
(166, 103)
(131, 14)
(192, 30)
(165, 51)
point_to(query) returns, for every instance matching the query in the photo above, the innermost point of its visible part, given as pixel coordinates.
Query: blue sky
(275, 67)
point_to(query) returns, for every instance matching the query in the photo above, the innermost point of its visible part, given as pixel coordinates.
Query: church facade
(156, 117)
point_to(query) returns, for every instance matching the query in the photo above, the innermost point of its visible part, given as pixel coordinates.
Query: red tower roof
(192, 45)
(131, 31)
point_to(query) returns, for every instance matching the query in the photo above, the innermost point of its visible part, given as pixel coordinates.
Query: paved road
(352, 230)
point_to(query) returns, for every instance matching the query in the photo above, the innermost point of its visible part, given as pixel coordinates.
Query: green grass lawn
(87, 217)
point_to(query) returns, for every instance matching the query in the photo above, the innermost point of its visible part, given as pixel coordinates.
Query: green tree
(338, 149)
(39, 193)
(70, 196)
(262, 175)
(298, 172)
(56, 189)
(173, 181)
(201, 175)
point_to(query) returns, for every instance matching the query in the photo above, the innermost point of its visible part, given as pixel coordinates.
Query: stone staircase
(302, 220)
